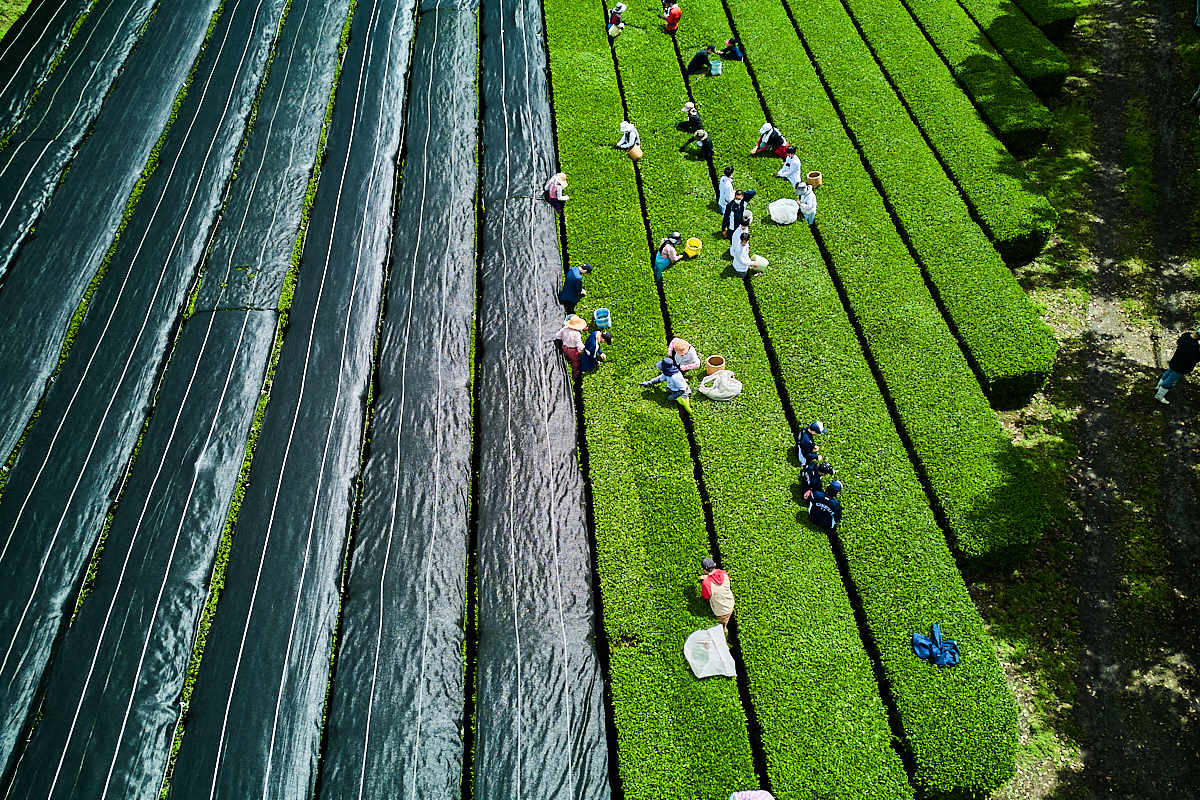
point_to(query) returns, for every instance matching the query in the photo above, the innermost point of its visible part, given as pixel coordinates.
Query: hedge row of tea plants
(676, 737)
(982, 485)
(824, 725)
(1002, 97)
(1032, 56)
(1013, 212)
(1002, 330)
(960, 726)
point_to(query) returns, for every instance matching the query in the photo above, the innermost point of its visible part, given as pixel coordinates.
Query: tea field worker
(824, 508)
(629, 136)
(806, 446)
(616, 13)
(683, 354)
(672, 15)
(571, 342)
(677, 385)
(735, 210)
(572, 291)
(807, 199)
(811, 475)
(714, 587)
(770, 142)
(667, 253)
(555, 191)
(724, 189)
(791, 166)
(743, 263)
(592, 354)
(1187, 355)
(737, 234)
(703, 143)
(732, 51)
(699, 63)
(692, 123)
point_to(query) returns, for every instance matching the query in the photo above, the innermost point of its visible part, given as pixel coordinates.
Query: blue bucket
(602, 318)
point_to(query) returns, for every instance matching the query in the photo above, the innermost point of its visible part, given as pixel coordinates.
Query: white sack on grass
(721, 385)
(784, 211)
(708, 654)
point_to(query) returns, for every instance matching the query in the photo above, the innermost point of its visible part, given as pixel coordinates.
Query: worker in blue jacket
(592, 354)
(572, 291)
(824, 509)
(812, 475)
(805, 445)
(677, 385)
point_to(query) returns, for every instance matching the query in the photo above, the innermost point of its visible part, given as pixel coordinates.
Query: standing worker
(806, 446)
(735, 209)
(555, 191)
(714, 587)
(725, 189)
(1187, 355)
(824, 509)
(747, 218)
(672, 15)
(572, 291)
(592, 354)
(677, 385)
(572, 343)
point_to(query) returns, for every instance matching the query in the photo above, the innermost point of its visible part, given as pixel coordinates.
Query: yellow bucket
(692, 247)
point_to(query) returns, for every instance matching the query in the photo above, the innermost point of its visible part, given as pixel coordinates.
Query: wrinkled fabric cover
(936, 650)
(721, 385)
(784, 211)
(708, 654)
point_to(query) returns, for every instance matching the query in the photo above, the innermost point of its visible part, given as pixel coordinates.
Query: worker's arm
(656, 379)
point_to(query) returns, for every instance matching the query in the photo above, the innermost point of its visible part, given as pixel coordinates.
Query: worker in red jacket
(714, 587)
(672, 16)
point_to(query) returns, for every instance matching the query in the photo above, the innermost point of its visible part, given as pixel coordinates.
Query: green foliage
(1004, 100)
(960, 725)
(824, 726)
(1055, 17)
(1032, 56)
(1015, 216)
(676, 737)
(999, 326)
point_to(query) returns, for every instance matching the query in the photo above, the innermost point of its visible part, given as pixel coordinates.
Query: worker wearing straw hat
(571, 341)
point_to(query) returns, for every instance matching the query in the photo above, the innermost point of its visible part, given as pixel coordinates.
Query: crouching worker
(629, 136)
(667, 254)
(677, 385)
(571, 342)
(714, 587)
(814, 473)
(806, 446)
(770, 142)
(693, 122)
(592, 354)
(683, 354)
(704, 146)
(824, 508)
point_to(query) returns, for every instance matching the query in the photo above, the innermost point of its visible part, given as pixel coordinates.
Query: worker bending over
(677, 385)
(824, 508)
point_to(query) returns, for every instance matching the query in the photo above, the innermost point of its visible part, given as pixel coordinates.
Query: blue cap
(708, 563)
(817, 427)
(835, 487)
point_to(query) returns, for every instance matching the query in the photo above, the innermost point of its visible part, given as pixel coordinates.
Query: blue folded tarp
(936, 650)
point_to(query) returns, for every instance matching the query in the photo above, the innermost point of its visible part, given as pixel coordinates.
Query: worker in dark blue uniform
(805, 445)
(824, 509)
(592, 354)
(812, 475)
(572, 291)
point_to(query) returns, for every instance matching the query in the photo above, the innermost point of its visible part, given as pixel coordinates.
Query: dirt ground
(1099, 630)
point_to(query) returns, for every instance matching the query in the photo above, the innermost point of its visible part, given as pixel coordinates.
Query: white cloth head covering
(766, 128)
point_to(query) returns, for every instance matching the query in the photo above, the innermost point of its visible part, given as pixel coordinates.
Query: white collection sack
(708, 654)
(784, 211)
(721, 385)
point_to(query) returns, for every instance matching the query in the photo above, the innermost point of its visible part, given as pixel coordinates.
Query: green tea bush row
(982, 485)
(676, 737)
(1002, 97)
(1032, 56)
(960, 724)
(996, 321)
(824, 726)
(1013, 212)
(1055, 17)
